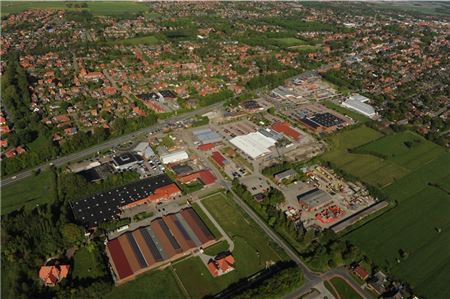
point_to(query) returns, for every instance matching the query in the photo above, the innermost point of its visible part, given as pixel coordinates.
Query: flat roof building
(285, 175)
(358, 104)
(174, 157)
(126, 161)
(206, 136)
(106, 206)
(314, 199)
(253, 144)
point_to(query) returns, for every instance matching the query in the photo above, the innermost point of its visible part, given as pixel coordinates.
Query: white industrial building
(174, 157)
(358, 104)
(143, 149)
(253, 144)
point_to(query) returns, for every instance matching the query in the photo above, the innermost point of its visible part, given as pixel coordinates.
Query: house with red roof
(220, 266)
(205, 176)
(361, 272)
(51, 275)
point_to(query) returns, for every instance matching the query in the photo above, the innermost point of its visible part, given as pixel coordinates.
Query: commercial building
(268, 132)
(286, 129)
(107, 206)
(205, 136)
(168, 238)
(253, 144)
(174, 157)
(359, 104)
(144, 150)
(126, 161)
(205, 176)
(287, 174)
(314, 199)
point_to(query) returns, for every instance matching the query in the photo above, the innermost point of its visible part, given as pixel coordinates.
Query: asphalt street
(105, 145)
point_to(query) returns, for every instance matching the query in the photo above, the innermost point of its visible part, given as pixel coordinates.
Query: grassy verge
(32, 191)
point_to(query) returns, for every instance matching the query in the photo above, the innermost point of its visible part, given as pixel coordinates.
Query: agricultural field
(380, 160)
(406, 149)
(87, 264)
(96, 8)
(252, 250)
(154, 284)
(412, 240)
(29, 192)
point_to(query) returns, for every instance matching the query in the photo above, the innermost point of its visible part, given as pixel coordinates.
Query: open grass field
(370, 169)
(107, 8)
(412, 227)
(343, 289)
(154, 284)
(407, 149)
(252, 250)
(217, 248)
(412, 240)
(29, 192)
(86, 264)
(288, 41)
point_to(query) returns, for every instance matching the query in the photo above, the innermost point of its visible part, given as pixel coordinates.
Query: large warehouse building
(167, 238)
(108, 205)
(358, 104)
(253, 144)
(174, 157)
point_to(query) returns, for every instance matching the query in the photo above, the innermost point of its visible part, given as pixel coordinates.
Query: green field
(395, 148)
(143, 40)
(412, 227)
(411, 240)
(86, 264)
(252, 250)
(370, 169)
(29, 192)
(97, 8)
(217, 248)
(288, 41)
(343, 289)
(154, 284)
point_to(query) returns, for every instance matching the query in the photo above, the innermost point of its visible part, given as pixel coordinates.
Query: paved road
(106, 145)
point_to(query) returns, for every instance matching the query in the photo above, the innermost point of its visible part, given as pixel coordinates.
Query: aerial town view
(209, 149)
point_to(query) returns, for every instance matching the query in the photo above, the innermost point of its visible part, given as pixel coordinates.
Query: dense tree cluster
(276, 285)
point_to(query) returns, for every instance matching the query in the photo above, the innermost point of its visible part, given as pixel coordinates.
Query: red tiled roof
(361, 272)
(286, 129)
(160, 193)
(206, 146)
(50, 275)
(218, 158)
(204, 175)
(121, 264)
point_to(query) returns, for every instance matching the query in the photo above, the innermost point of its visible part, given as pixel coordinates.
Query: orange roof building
(220, 266)
(161, 193)
(51, 275)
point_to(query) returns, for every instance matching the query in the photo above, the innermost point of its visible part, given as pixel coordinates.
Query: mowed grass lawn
(86, 264)
(154, 284)
(107, 8)
(252, 250)
(29, 192)
(344, 290)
